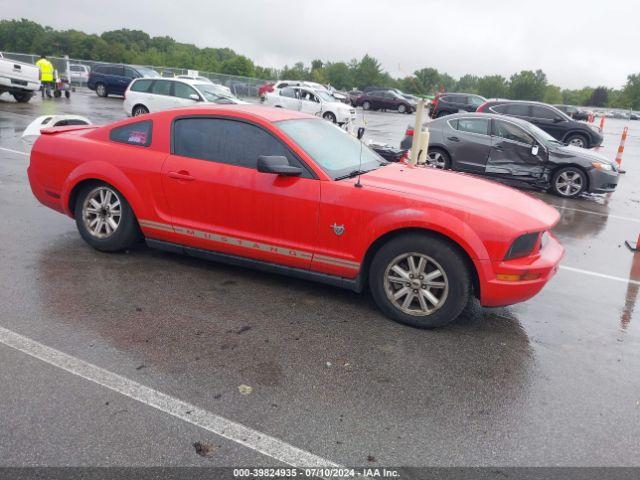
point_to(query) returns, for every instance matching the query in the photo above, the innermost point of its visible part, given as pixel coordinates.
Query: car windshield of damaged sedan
(338, 153)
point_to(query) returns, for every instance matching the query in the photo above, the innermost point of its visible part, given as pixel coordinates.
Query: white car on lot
(146, 95)
(79, 73)
(309, 100)
(20, 79)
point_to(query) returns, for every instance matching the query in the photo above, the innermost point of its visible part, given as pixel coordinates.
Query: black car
(573, 112)
(516, 152)
(114, 79)
(556, 123)
(448, 103)
(385, 100)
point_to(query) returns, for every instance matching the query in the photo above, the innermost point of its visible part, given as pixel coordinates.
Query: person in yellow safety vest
(46, 75)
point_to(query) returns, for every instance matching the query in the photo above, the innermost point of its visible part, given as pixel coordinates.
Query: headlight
(602, 166)
(522, 246)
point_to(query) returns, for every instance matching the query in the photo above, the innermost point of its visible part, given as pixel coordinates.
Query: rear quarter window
(138, 133)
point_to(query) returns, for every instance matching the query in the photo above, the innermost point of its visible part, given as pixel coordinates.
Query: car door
(184, 95)
(549, 120)
(219, 201)
(309, 101)
(514, 152)
(290, 98)
(117, 81)
(160, 97)
(468, 141)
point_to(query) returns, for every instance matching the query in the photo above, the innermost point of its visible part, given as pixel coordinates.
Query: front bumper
(543, 265)
(601, 181)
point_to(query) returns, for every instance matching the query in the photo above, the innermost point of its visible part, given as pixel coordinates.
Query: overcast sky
(576, 43)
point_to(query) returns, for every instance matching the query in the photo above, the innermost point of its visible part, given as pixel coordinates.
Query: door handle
(454, 139)
(181, 175)
(498, 147)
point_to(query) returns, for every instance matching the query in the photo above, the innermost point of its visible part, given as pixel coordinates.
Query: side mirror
(558, 120)
(535, 149)
(277, 165)
(360, 133)
(195, 97)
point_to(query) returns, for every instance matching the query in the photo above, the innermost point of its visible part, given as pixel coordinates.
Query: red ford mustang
(290, 193)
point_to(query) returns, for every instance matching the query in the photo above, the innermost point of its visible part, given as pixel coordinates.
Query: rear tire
(139, 110)
(57, 93)
(421, 280)
(104, 218)
(439, 159)
(577, 140)
(366, 105)
(101, 90)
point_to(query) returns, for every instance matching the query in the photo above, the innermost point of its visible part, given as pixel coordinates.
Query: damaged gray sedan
(515, 151)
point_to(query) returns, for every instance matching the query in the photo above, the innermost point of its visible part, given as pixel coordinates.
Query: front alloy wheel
(416, 284)
(420, 279)
(569, 182)
(437, 159)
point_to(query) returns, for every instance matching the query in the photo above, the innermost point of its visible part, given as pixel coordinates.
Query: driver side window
(509, 131)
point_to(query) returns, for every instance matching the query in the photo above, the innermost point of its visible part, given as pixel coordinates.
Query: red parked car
(290, 193)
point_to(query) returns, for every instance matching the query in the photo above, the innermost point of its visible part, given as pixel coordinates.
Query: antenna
(364, 122)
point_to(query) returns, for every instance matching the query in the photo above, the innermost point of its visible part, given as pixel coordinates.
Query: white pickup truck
(21, 80)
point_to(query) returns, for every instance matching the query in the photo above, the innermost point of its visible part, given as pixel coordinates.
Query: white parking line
(601, 275)
(14, 151)
(627, 219)
(245, 436)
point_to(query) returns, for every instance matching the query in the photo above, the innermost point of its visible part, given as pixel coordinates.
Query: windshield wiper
(351, 174)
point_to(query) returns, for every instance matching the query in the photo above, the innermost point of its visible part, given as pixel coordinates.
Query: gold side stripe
(263, 247)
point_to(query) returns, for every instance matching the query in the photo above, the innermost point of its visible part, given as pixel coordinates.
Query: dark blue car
(114, 79)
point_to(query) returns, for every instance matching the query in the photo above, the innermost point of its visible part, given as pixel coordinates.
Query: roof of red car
(269, 114)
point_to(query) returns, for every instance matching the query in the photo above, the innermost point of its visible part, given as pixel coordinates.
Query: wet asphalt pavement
(554, 381)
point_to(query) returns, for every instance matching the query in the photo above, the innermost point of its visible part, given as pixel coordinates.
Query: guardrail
(240, 86)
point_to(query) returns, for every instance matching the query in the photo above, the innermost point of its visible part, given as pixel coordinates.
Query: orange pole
(621, 147)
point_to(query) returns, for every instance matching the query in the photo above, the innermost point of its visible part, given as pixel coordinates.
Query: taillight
(482, 107)
(409, 132)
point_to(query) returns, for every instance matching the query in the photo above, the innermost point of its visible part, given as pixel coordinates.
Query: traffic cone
(602, 124)
(623, 139)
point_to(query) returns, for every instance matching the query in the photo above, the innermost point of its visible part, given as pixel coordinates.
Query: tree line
(138, 47)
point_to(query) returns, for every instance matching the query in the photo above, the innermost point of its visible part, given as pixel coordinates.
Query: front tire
(104, 218)
(569, 182)
(22, 97)
(139, 110)
(420, 280)
(402, 109)
(101, 90)
(366, 106)
(330, 117)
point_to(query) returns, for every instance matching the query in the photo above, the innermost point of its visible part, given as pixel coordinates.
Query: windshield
(325, 96)
(215, 94)
(334, 150)
(148, 72)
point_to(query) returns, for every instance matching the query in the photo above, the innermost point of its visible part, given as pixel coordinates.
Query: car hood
(570, 152)
(465, 195)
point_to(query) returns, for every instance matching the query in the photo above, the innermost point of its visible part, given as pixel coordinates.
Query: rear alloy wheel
(330, 117)
(420, 280)
(569, 182)
(101, 90)
(402, 109)
(439, 159)
(105, 219)
(366, 105)
(139, 110)
(577, 140)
